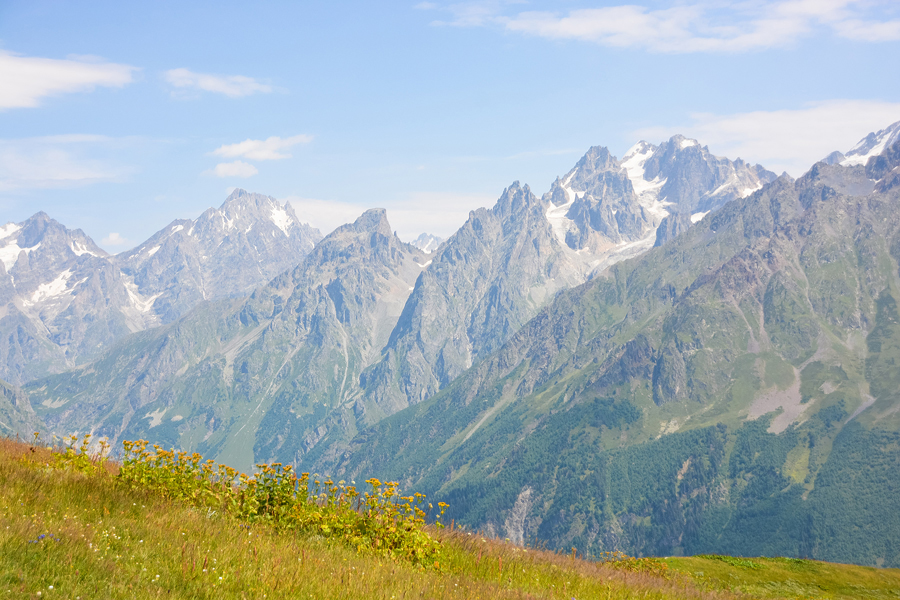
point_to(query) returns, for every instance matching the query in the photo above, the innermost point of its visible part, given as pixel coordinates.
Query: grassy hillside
(789, 577)
(78, 530)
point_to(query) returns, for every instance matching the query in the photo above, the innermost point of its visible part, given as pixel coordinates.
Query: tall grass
(79, 528)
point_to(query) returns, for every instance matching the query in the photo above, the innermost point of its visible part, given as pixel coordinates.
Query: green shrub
(380, 521)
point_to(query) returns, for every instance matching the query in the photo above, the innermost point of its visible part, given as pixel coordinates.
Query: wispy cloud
(114, 240)
(60, 161)
(689, 27)
(784, 140)
(272, 148)
(233, 86)
(471, 14)
(237, 168)
(27, 79)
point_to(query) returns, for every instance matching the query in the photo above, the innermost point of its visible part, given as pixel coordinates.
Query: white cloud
(869, 31)
(26, 80)
(326, 215)
(56, 162)
(233, 86)
(268, 149)
(687, 28)
(114, 239)
(785, 140)
(237, 168)
(439, 213)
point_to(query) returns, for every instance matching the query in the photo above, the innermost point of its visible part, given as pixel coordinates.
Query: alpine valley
(669, 353)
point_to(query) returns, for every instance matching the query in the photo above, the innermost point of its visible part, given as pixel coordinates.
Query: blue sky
(117, 118)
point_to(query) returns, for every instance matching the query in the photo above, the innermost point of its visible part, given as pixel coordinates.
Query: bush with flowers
(380, 521)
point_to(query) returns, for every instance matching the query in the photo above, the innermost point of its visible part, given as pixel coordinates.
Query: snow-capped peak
(640, 151)
(635, 158)
(9, 229)
(872, 145)
(427, 242)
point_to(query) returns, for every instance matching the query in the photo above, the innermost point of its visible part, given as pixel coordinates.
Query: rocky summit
(667, 353)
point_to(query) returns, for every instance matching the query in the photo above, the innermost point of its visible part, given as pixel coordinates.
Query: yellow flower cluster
(380, 521)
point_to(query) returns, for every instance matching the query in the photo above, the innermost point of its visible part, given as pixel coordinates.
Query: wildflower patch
(380, 522)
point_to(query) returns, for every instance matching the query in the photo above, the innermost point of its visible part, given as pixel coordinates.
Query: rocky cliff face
(487, 280)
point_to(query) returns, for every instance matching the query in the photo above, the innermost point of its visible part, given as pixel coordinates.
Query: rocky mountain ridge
(728, 392)
(278, 361)
(66, 301)
(446, 313)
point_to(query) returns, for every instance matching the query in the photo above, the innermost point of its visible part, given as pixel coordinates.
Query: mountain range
(65, 301)
(658, 355)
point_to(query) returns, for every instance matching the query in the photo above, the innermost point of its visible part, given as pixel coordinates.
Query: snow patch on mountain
(556, 215)
(646, 191)
(698, 216)
(9, 253)
(57, 287)
(747, 191)
(623, 251)
(9, 229)
(142, 304)
(80, 249)
(281, 219)
(155, 417)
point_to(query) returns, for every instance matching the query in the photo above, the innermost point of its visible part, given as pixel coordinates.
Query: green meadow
(160, 525)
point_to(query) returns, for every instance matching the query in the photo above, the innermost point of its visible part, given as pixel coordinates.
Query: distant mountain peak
(427, 242)
(682, 142)
(373, 220)
(597, 158)
(872, 145)
(642, 148)
(225, 251)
